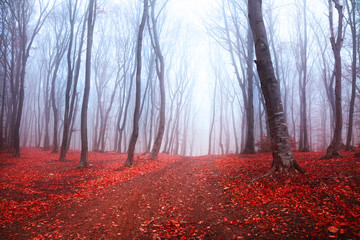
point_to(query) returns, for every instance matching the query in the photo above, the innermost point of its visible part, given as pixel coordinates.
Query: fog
(206, 74)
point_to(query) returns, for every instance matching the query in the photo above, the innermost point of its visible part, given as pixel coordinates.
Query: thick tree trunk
(135, 132)
(333, 149)
(84, 109)
(283, 158)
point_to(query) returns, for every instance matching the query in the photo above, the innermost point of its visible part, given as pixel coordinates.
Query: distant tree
(4, 66)
(73, 59)
(22, 12)
(135, 132)
(238, 48)
(103, 77)
(90, 32)
(336, 43)
(283, 159)
(302, 69)
(56, 55)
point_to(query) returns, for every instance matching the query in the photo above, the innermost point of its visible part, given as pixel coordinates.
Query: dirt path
(182, 200)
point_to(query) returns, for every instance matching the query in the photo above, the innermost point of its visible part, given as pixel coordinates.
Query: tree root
(280, 171)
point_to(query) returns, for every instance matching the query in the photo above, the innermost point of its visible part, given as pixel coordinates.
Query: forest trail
(183, 199)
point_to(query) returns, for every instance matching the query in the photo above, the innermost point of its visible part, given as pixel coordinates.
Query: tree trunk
(283, 159)
(84, 109)
(68, 87)
(135, 132)
(352, 20)
(333, 149)
(160, 70)
(55, 115)
(3, 92)
(250, 140)
(303, 143)
(210, 151)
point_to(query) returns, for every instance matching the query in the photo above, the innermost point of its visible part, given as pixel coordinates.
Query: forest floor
(208, 197)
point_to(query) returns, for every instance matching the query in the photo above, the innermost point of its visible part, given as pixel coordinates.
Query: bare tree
(73, 68)
(336, 43)
(135, 132)
(4, 60)
(90, 32)
(22, 12)
(160, 70)
(238, 48)
(283, 159)
(352, 22)
(302, 69)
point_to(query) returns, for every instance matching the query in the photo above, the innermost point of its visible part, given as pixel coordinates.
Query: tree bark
(283, 159)
(135, 132)
(84, 109)
(352, 20)
(333, 149)
(3, 42)
(160, 70)
(250, 140)
(63, 149)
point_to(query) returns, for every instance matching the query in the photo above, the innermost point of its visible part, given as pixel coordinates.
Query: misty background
(205, 101)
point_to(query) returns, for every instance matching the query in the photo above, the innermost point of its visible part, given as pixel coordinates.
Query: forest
(191, 119)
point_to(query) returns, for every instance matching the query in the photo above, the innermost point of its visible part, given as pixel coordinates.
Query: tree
(22, 10)
(336, 43)
(160, 70)
(4, 65)
(352, 23)
(283, 159)
(90, 32)
(72, 77)
(135, 132)
(302, 69)
(56, 56)
(246, 86)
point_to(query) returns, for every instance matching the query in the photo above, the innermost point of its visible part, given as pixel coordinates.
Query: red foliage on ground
(209, 197)
(37, 181)
(323, 202)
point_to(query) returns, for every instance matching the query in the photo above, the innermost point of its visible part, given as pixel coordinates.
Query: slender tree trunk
(352, 20)
(283, 158)
(84, 109)
(333, 149)
(221, 124)
(3, 92)
(135, 132)
(210, 151)
(160, 70)
(68, 87)
(55, 115)
(304, 143)
(72, 123)
(234, 128)
(250, 140)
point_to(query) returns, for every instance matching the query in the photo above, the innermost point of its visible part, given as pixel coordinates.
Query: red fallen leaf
(333, 229)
